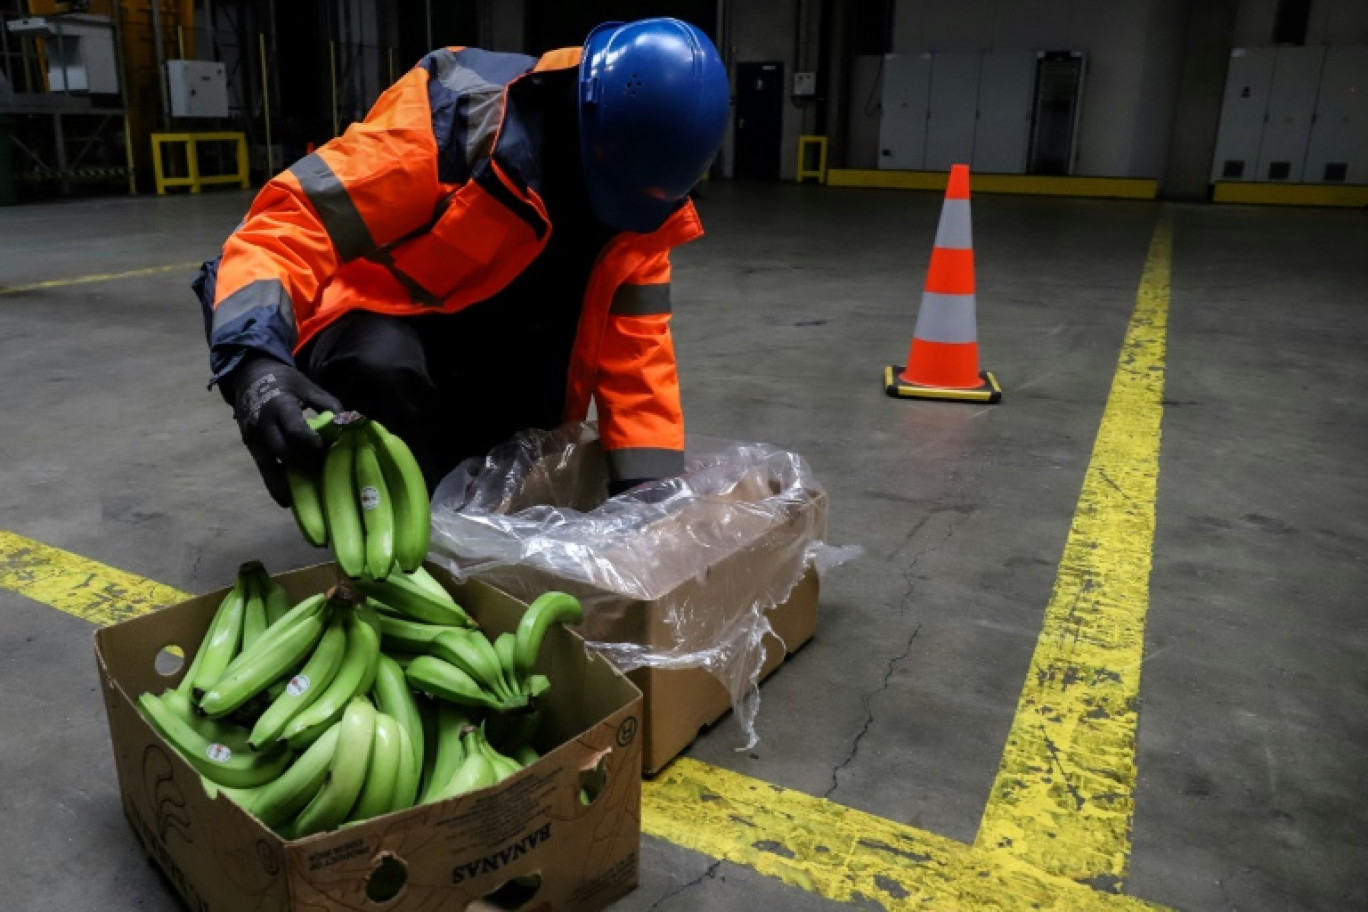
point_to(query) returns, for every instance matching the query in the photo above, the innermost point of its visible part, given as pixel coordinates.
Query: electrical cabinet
(1002, 133)
(1338, 150)
(1291, 102)
(953, 110)
(1243, 110)
(198, 88)
(906, 100)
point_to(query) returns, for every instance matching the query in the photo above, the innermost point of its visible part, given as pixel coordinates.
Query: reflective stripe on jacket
(425, 207)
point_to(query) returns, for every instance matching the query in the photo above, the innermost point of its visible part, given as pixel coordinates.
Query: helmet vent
(633, 84)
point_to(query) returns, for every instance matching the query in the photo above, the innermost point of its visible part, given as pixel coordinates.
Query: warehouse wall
(1201, 89)
(1330, 22)
(1133, 53)
(506, 23)
(759, 31)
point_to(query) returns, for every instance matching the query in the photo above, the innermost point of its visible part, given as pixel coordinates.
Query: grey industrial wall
(1155, 72)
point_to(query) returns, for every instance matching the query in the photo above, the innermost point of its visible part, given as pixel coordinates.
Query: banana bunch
(370, 502)
(373, 697)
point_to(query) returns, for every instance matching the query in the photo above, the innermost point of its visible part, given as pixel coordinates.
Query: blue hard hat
(653, 106)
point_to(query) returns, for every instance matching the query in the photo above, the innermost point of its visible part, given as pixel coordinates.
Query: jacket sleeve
(368, 187)
(641, 420)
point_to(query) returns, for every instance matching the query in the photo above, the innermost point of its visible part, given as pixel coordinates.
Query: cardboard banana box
(528, 842)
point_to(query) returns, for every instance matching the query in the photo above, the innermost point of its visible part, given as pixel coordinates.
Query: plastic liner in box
(541, 501)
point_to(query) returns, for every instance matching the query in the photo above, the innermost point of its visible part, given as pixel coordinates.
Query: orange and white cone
(943, 361)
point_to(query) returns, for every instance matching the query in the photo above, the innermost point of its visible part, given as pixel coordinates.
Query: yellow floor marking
(85, 280)
(844, 854)
(1065, 792)
(88, 589)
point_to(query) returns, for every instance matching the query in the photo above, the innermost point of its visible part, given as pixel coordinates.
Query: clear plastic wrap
(677, 573)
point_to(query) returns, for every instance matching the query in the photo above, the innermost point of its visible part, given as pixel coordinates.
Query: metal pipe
(390, 49)
(209, 28)
(266, 105)
(427, 18)
(157, 37)
(129, 162)
(332, 73)
(180, 41)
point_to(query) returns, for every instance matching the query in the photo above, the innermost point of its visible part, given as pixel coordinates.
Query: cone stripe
(951, 272)
(947, 318)
(957, 187)
(956, 229)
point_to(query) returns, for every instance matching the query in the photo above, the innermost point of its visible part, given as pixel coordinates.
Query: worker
(488, 251)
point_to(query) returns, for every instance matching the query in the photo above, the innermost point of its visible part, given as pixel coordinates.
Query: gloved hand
(268, 402)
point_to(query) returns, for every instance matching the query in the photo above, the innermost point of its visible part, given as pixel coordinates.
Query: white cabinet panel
(1242, 114)
(954, 103)
(902, 129)
(1338, 151)
(1291, 102)
(1005, 93)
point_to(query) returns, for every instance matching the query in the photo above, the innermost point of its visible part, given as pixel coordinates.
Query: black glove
(268, 402)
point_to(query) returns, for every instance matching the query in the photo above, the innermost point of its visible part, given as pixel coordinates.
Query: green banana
(346, 773)
(270, 657)
(212, 759)
(306, 503)
(469, 651)
(415, 601)
(342, 506)
(446, 752)
(353, 678)
(394, 698)
(412, 507)
(537, 685)
(503, 766)
(254, 611)
(307, 607)
(279, 801)
(181, 703)
(548, 608)
(382, 773)
(325, 425)
(410, 769)
(220, 644)
(377, 510)
(525, 755)
(403, 634)
(425, 580)
(475, 772)
(277, 601)
(442, 679)
(504, 647)
(305, 687)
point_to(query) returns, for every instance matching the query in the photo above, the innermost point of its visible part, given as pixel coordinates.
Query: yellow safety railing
(195, 180)
(804, 171)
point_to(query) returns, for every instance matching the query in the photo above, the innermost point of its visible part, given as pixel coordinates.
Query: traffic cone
(943, 361)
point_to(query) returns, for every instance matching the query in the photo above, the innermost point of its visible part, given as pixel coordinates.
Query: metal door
(1291, 102)
(954, 102)
(1338, 151)
(1005, 91)
(906, 96)
(759, 119)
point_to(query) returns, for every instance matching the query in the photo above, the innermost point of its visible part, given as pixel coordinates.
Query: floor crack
(710, 872)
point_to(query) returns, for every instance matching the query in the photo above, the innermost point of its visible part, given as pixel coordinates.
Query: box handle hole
(511, 894)
(169, 661)
(592, 781)
(388, 878)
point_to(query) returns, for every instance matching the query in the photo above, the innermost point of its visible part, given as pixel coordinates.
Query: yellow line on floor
(1065, 791)
(836, 852)
(843, 854)
(104, 277)
(88, 589)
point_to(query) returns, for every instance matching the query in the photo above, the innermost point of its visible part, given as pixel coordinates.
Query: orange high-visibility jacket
(425, 207)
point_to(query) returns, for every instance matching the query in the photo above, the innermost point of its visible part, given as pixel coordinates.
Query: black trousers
(448, 386)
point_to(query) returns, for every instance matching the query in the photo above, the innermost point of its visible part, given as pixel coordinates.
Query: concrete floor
(1253, 738)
